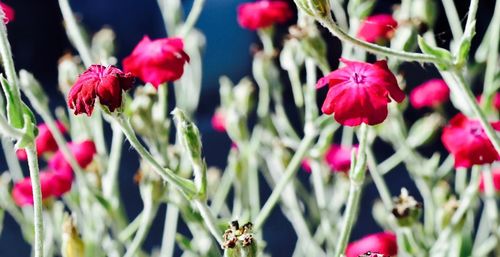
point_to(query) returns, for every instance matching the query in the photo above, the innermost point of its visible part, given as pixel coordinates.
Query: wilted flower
(157, 61)
(219, 121)
(359, 92)
(83, 152)
(383, 243)
(53, 184)
(9, 13)
(339, 157)
(496, 181)
(430, 94)
(107, 83)
(377, 28)
(466, 140)
(45, 142)
(263, 13)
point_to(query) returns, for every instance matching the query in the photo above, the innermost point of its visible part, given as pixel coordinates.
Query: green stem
(11, 159)
(357, 177)
(166, 174)
(193, 16)
(147, 217)
(379, 181)
(451, 13)
(37, 198)
(7, 61)
(491, 207)
(492, 62)
(169, 230)
(209, 220)
(289, 174)
(74, 33)
(328, 23)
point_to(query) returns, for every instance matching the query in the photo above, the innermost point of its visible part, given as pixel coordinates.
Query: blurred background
(38, 40)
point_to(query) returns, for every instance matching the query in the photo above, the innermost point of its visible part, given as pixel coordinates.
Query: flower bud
(242, 95)
(68, 71)
(425, 11)
(32, 88)
(406, 209)
(445, 214)
(103, 45)
(72, 244)
(424, 129)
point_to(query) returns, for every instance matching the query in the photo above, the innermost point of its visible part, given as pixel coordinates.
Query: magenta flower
(430, 94)
(107, 83)
(381, 243)
(359, 92)
(53, 184)
(84, 154)
(45, 142)
(466, 140)
(263, 13)
(377, 28)
(157, 61)
(219, 121)
(339, 158)
(9, 13)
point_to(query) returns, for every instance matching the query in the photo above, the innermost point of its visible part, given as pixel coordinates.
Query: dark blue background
(38, 41)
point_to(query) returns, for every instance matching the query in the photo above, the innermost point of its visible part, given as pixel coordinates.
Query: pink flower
(9, 13)
(339, 157)
(430, 94)
(52, 184)
(107, 83)
(467, 141)
(381, 243)
(45, 142)
(306, 165)
(359, 92)
(262, 14)
(219, 121)
(84, 154)
(496, 181)
(377, 28)
(157, 61)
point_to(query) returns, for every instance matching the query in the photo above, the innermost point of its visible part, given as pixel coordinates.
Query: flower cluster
(57, 178)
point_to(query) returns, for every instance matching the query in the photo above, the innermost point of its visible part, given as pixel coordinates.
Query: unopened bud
(68, 71)
(424, 129)
(72, 244)
(103, 44)
(32, 88)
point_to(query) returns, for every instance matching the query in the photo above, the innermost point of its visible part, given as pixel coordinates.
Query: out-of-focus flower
(9, 13)
(219, 121)
(107, 83)
(496, 181)
(52, 184)
(263, 13)
(496, 100)
(157, 61)
(467, 141)
(430, 94)
(339, 157)
(359, 92)
(377, 28)
(84, 153)
(306, 165)
(383, 243)
(45, 142)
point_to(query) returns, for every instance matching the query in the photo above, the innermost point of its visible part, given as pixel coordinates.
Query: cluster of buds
(239, 241)
(406, 209)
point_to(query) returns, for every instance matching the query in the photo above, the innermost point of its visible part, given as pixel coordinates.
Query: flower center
(358, 78)
(476, 130)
